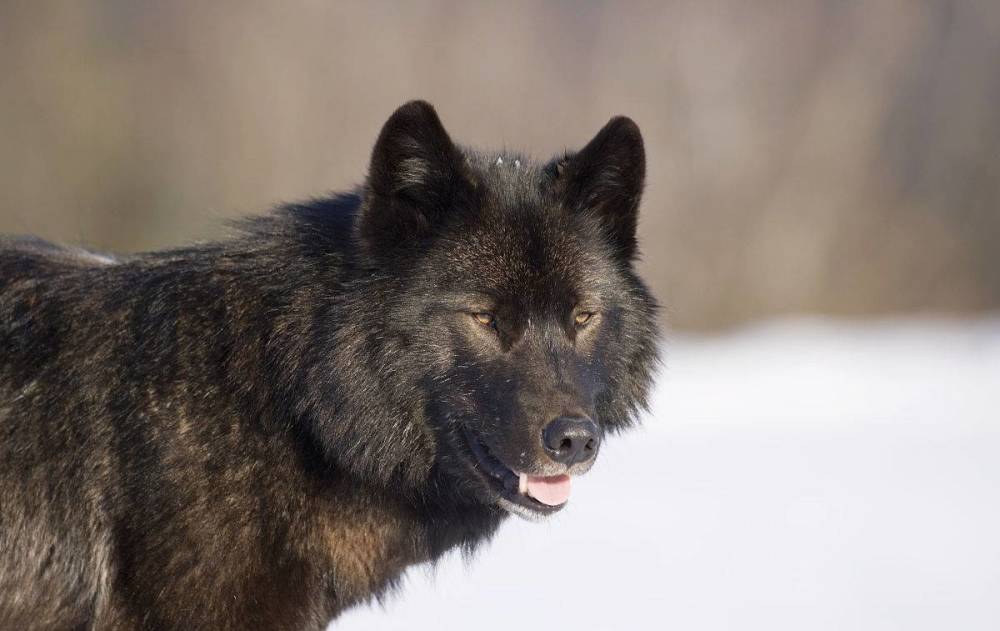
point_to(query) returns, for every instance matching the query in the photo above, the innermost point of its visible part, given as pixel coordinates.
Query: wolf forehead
(519, 234)
(509, 178)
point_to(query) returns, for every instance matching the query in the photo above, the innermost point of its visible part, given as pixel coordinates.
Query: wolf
(260, 432)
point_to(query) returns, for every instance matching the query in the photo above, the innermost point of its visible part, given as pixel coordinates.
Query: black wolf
(258, 433)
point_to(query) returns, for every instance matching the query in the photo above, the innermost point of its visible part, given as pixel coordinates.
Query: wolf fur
(260, 432)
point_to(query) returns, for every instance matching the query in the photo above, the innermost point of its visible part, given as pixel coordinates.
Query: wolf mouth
(509, 484)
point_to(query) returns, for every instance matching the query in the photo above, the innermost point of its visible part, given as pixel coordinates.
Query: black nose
(571, 439)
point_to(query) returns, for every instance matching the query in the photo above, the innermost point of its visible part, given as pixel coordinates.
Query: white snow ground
(799, 475)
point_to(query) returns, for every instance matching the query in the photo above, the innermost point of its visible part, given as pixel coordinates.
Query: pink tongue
(552, 490)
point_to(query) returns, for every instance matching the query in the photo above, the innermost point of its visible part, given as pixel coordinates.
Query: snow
(803, 474)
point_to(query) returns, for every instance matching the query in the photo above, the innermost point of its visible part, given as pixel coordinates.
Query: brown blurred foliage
(814, 156)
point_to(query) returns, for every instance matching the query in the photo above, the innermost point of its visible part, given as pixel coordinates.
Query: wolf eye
(486, 319)
(583, 318)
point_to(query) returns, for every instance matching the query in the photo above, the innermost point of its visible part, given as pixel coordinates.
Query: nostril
(571, 439)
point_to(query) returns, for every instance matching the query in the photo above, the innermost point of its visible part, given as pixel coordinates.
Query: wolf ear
(415, 174)
(605, 179)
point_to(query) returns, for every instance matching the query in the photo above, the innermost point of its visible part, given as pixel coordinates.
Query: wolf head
(494, 304)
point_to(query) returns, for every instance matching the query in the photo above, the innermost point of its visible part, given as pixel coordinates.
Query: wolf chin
(260, 432)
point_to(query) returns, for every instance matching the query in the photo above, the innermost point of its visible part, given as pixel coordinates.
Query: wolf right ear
(605, 179)
(416, 172)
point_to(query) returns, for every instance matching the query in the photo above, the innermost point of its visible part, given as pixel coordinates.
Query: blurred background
(822, 225)
(817, 156)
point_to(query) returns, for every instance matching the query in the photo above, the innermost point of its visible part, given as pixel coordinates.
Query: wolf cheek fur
(260, 432)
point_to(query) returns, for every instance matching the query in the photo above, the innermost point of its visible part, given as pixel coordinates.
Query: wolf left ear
(605, 179)
(415, 174)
